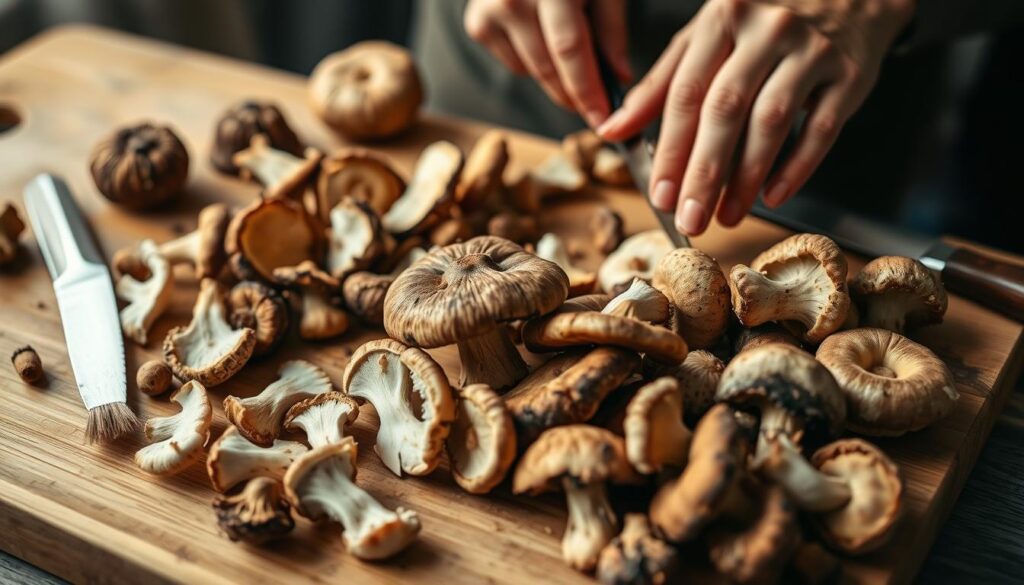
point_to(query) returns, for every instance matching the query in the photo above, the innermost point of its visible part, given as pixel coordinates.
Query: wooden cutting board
(87, 514)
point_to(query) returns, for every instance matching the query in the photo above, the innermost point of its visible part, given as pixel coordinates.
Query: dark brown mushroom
(238, 124)
(140, 167)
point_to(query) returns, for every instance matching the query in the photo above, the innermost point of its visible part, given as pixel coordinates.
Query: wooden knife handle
(994, 283)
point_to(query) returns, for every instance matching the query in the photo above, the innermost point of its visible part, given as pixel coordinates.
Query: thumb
(612, 36)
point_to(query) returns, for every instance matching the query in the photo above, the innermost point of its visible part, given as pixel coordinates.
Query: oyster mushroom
(260, 418)
(655, 434)
(605, 227)
(177, 441)
(429, 195)
(148, 299)
(140, 167)
(321, 484)
(355, 239)
(323, 417)
(271, 234)
(516, 227)
(233, 459)
(11, 227)
(699, 293)
(637, 557)
(800, 282)
(580, 459)
(364, 292)
(550, 247)
(203, 247)
(370, 90)
(413, 400)
(321, 319)
(256, 515)
(482, 443)
(641, 302)
(462, 294)
(892, 385)
(898, 293)
(636, 257)
(208, 350)
(698, 377)
(480, 181)
(256, 306)
(237, 125)
(281, 173)
(758, 550)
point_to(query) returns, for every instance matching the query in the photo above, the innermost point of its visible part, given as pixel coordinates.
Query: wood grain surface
(86, 513)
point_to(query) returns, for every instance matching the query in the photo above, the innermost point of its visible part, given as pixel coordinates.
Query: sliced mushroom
(699, 292)
(208, 350)
(323, 417)
(892, 385)
(605, 227)
(656, 436)
(203, 248)
(637, 557)
(800, 282)
(519, 228)
(271, 234)
(610, 168)
(636, 257)
(140, 167)
(480, 181)
(757, 551)
(282, 174)
(147, 299)
(355, 239)
(11, 227)
(698, 377)
(240, 123)
(233, 459)
(321, 319)
(260, 418)
(580, 459)
(177, 441)
(482, 443)
(430, 193)
(258, 307)
(550, 247)
(256, 515)
(321, 484)
(898, 293)
(413, 400)
(364, 292)
(357, 173)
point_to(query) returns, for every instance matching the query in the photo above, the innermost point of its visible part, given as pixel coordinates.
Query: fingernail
(777, 194)
(610, 123)
(663, 196)
(692, 217)
(594, 118)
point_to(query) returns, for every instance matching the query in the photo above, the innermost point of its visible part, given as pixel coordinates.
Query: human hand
(550, 40)
(729, 87)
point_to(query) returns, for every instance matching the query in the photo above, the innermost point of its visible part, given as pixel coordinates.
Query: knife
(994, 283)
(85, 299)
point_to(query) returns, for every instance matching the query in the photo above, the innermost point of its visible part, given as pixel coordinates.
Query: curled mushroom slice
(605, 227)
(357, 173)
(364, 292)
(550, 247)
(208, 350)
(274, 233)
(482, 443)
(258, 307)
(636, 556)
(147, 299)
(430, 192)
(413, 400)
(581, 459)
(260, 418)
(240, 123)
(636, 257)
(203, 248)
(480, 180)
(233, 459)
(355, 239)
(699, 292)
(757, 551)
(800, 282)
(282, 174)
(257, 514)
(655, 434)
(897, 293)
(892, 385)
(321, 484)
(323, 417)
(698, 377)
(177, 441)
(321, 319)
(11, 227)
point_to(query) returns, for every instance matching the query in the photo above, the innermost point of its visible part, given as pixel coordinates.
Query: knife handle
(994, 283)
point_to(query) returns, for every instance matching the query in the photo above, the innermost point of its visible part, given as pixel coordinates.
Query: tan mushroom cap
(274, 233)
(897, 293)
(361, 174)
(482, 443)
(430, 192)
(584, 453)
(637, 556)
(636, 257)
(238, 124)
(257, 514)
(698, 377)
(866, 522)
(892, 385)
(699, 292)
(748, 339)
(655, 434)
(481, 177)
(255, 305)
(281, 173)
(140, 166)
(567, 389)
(760, 551)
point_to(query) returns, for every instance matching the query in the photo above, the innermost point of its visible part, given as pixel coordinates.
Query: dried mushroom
(11, 227)
(233, 459)
(240, 123)
(260, 418)
(606, 228)
(154, 377)
(516, 227)
(758, 549)
(27, 364)
(271, 234)
(355, 239)
(640, 302)
(699, 292)
(321, 318)
(256, 515)
(581, 147)
(281, 173)
(256, 306)
(636, 257)
(357, 173)
(203, 248)
(148, 299)
(698, 377)
(140, 167)
(480, 181)
(177, 441)
(637, 557)
(610, 168)
(364, 292)
(550, 247)
(323, 418)
(429, 195)
(898, 293)
(656, 436)
(482, 443)
(554, 176)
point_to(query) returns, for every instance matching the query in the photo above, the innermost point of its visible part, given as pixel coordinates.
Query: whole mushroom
(177, 441)
(699, 293)
(140, 167)
(898, 293)
(233, 459)
(482, 443)
(239, 123)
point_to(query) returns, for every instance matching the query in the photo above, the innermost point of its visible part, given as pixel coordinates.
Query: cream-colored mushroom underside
(208, 338)
(180, 437)
(351, 236)
(147, 299)
(803, 286)
(472, 442)
(240, 460)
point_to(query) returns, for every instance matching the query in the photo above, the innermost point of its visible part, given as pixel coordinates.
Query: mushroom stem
(184, 249)
(775, 421)
(811, 489)
(794, 295)
(592, 523)
(491, 359)
(888, 313)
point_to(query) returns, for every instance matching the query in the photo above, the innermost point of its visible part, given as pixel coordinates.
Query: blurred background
(936, 147)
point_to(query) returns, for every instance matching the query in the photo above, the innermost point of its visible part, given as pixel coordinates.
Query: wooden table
(86, 512)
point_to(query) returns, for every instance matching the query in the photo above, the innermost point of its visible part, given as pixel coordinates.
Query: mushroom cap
(584, 453)
(760, 551)
(463, 290)
(177, 441)
(257, 514)
(636, 257)
(260, 418)
(355, 238)
(364, 294)
(430, 192)
(789, 378)
(699, 292)
(328, 412)
(232, 459)
(698, 377)
(567, 389)
(892, 385)
(897, 292)
(605, 225)
(361, 174)
(306, 274)
(550, 247)
(147, 299)
(258, 307)
(653, 426)
(764, 334)
(274, 233)
(866, 522)
(238, 124)
(636, 556)
(485, 165)
(370, 90)
(482, 443)
(140, 167)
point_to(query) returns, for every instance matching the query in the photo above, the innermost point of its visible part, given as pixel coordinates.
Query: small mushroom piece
(480, 181)
(636, 257)
(699, 292)
(898, 293)
(357, 173)
(203, 248)
(605, 226)
(11, 227)
(567, 389)
(153, 378)
(364, 292)
(748, 339)
(698, 377)
(637, 557)
(256, 515)
(655, 434)
(237, 126)
(370, 90)
(516, 227)
(463, 293)
(355, 239)
(323, 417)
(260, 418)
(556, 175)
(800, 282)
(429, 195)
(208, 350)
(177, 441)
(413, 400)
(256, 306)
(892, 385)
(610, 168)
(581, 147)
(450, 231)
(27, 364)
(147, 299)
(282, 174)
(274, 233)
(641, 302)
(759, 550)
(233, 459)
(140, 167)
(550, 247)
(322, 484)
(482, 443)
(581, 459)
(321, 319)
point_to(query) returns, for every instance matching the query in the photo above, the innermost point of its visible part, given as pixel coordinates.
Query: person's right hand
(550, 40)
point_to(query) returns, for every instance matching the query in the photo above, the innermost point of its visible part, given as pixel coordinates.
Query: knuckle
(824, 126)
(772, 117)
(686, 97)
(725, 105)
(566, 44)
(781, 25)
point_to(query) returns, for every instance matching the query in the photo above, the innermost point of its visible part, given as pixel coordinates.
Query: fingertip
(692, 217)
(663, 195)
(777, 194)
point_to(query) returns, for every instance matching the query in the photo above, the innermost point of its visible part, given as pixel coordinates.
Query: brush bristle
(110, 421)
